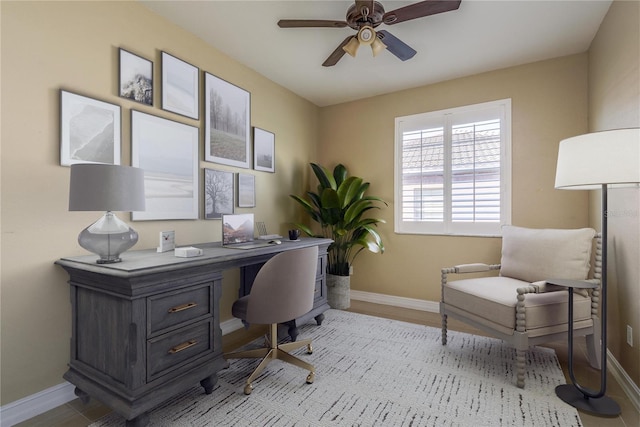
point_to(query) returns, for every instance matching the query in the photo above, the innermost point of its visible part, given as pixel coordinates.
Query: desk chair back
(284, 287)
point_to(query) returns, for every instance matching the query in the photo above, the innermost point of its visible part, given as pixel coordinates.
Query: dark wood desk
(148, 328)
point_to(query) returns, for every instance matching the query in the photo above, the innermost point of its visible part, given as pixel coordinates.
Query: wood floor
(75, 414)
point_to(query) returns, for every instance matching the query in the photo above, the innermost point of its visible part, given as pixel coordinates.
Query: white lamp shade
(587, 161)
(104, 187)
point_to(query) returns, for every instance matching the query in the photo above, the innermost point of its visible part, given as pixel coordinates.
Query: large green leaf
(339, 174)
(324, 177)
(348, 191)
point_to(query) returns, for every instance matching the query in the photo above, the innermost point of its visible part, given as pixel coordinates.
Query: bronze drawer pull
(182, 307)
(183, 346)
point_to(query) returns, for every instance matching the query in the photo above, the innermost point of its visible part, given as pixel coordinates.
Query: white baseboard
(36, 404)
(43, 401)
(231, 325)
(628, 386)
(411, 303)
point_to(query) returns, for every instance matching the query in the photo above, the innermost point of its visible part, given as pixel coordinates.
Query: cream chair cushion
(493, 303)
(538, 254)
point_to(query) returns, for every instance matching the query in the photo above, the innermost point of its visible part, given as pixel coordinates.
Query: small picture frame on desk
(167, 241)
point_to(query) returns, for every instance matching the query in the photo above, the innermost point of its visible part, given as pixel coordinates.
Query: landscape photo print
(136, 78)
(167, 151)
(89, 130)
(227, 123)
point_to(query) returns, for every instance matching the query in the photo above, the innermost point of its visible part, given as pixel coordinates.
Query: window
(453, 170)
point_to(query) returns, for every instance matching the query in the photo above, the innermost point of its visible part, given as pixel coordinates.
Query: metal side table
(574, 394)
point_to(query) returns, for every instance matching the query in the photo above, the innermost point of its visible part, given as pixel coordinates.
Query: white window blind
(453, 170)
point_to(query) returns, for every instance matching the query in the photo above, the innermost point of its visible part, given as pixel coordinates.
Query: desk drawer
(173, 308)
(169, 351)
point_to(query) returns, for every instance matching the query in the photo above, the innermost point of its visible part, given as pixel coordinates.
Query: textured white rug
(378, 372)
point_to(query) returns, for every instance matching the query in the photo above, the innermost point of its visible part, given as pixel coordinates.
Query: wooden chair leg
(444, 329)
(521, 362)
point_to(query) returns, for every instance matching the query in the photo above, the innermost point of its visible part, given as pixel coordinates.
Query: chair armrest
(542, 287)
(471, 268)
(465, 268)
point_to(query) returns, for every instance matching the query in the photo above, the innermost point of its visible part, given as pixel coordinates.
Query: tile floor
(75, 414)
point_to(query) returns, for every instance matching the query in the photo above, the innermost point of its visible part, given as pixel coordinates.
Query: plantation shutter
(453, 171)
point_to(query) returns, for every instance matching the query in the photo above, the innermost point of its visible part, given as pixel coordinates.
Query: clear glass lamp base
(108, 237)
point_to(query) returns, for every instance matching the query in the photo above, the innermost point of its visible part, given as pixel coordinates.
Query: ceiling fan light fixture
(377, 46)
(352, 46)
(366, 35)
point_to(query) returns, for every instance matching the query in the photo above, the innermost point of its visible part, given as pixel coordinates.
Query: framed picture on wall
(136, 78)
(264, 158)
(218, 193)
(167, 151)
(246, 190)
(227, 123)
(180, 86)
(89, 130)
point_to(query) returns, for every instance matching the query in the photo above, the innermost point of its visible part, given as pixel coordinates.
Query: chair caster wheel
(309, 349)
(248, 389)
(311, 377)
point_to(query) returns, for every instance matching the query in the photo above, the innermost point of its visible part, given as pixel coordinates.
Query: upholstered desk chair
(518, 306)
(282, 290)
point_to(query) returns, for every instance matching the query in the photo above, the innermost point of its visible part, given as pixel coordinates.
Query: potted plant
(339, 206)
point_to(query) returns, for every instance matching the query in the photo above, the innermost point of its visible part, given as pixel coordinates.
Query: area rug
(378, 372)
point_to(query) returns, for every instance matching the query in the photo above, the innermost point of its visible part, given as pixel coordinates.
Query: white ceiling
(480, 36)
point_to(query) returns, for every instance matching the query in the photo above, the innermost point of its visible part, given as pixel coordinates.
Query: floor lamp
(589, 162)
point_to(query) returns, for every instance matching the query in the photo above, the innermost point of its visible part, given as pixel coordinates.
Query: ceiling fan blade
(396, 46)
(419, 10)
(305, 23)
(337, 54)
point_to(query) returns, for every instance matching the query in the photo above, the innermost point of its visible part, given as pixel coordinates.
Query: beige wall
(52, 45)
(48, 46)
(614, 102)
(549, 103)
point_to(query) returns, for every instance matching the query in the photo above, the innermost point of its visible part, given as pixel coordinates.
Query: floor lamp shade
(103, 187)
(590, 162)
(586, 162)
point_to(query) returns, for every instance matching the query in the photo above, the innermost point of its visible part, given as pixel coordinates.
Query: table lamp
(105, 187)
(589, 162)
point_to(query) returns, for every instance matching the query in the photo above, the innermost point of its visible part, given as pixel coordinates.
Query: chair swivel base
(273, 352)
(601, 406)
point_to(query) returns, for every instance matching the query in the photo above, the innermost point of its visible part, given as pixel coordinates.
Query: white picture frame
(90, 130)
(246, 190)
(218, 193)
(227, 123)
(180, 86)
(167, 151)
(264, 156)
(136, 78)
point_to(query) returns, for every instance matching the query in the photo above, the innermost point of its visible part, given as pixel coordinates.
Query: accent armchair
(518, 306)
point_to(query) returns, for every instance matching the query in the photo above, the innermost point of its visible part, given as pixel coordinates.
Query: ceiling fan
(364, 16)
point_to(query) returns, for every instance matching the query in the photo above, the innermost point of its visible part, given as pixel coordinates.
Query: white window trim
(448, 227)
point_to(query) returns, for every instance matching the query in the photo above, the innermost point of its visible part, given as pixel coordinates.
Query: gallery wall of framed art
(168, 149)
